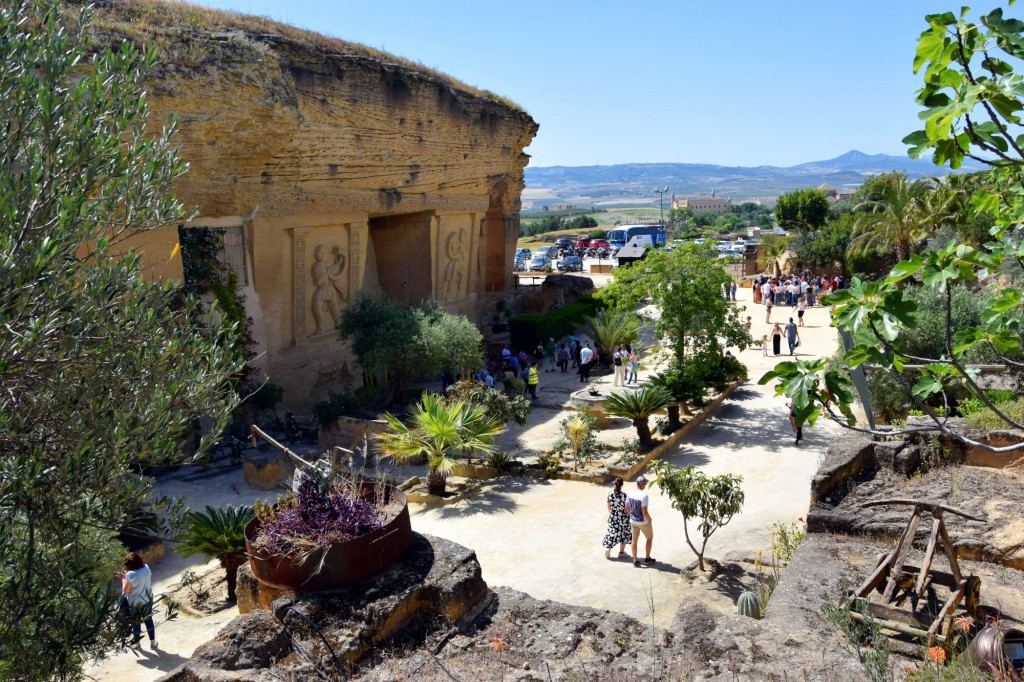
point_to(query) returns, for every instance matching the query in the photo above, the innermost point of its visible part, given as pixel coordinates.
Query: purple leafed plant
(317, 516)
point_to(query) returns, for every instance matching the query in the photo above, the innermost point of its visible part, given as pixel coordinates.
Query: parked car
(549, 251)
(563, 243)
(599, 244)
(520, 264)
(581, 242)
(570, 264)
(539, 263)
(524, 253)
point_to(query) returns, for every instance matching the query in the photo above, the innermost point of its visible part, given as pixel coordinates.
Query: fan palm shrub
(638, 406)
(612, 328)
(438, 429)
(219, 532)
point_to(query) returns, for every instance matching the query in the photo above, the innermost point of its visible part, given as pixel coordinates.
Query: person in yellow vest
(532, 380)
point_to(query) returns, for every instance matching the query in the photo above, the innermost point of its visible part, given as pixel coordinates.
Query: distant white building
(702, 204)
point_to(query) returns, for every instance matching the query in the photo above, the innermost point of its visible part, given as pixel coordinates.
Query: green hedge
(526, 331)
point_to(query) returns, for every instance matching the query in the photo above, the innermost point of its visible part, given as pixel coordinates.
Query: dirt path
(543, 537)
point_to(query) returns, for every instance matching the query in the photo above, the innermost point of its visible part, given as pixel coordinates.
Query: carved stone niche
(326, 272)
(458, 248)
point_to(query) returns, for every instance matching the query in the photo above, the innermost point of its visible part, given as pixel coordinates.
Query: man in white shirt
(640, 518)
(586, 355)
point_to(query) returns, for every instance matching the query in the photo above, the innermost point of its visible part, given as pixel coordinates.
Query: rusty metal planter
(338, 564)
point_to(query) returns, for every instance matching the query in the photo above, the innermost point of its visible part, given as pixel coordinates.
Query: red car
(581, 243)
(599, 244)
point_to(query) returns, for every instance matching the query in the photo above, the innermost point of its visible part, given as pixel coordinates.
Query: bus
(620, 235)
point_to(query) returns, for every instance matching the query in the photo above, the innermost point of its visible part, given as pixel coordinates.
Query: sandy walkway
(543, 537)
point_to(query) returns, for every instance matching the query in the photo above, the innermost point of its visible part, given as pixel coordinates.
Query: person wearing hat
(640, 518)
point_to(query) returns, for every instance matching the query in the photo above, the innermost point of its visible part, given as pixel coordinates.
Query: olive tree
(972, 103)
(103, 372)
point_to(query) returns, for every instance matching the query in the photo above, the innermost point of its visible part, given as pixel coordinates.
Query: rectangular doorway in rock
(399, 257)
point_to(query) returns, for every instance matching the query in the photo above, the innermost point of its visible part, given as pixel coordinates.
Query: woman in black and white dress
(618, 522)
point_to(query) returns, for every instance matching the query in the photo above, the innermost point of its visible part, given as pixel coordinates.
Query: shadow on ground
(496, 496)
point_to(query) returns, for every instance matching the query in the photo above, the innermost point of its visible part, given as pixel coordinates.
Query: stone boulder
(435, 582)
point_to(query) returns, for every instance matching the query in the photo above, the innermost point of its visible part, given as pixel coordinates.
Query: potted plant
(328, 533)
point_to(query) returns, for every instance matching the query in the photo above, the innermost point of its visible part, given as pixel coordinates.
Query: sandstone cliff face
(336, 171)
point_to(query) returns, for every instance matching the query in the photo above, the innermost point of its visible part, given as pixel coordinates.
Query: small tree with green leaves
(713, 500)
(500, 406)
(403, 342)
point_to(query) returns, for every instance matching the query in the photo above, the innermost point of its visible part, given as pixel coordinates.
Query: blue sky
(746, 82)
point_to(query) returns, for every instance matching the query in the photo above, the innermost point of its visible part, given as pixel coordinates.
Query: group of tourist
(800, 292)
(576, 354)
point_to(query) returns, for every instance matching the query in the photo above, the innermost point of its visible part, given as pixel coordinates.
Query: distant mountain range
(632, 182)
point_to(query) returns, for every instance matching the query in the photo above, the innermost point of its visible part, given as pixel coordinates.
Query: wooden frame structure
(897, 581)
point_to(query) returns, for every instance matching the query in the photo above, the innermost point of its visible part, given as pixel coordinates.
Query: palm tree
(438, 429)
(772, 253)
(612, 328)
(219, 533)
(638, 406)
(896, 220)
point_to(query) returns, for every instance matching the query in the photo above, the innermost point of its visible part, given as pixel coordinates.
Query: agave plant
(219, 533)
(638, 406)
(439, 429)
(612, 328)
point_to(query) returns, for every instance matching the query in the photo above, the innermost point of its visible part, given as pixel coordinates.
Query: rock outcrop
(435, 582)
(332, 169)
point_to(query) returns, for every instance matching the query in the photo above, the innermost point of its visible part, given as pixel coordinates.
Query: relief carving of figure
(454, 249)
(329, 292)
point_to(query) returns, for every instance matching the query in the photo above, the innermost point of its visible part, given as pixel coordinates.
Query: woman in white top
(137, 602)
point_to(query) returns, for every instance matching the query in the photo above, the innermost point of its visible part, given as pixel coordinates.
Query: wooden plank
(901, 628)
(876, 578)
(927, 506)
(902, 554)
(947, 545)
(907, 616)
(937, 577)
(929, 553)
(948, 607)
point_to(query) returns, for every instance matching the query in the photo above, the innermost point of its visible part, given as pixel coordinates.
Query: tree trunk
(643, 431)
(673, 413)
(685, 408)
(230, 565)
(436, 483)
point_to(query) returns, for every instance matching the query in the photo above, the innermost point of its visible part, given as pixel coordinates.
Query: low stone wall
(844, 461)
(347, 432)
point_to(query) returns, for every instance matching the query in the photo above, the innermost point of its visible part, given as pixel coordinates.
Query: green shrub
(499, 459)
(1000, 395)
(266, 397)
(526, 331)
(327, 411)
(987, 420)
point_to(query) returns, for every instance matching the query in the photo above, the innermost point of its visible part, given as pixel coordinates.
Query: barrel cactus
(749, 605)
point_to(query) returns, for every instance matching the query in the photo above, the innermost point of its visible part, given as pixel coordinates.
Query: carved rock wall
(341, 173)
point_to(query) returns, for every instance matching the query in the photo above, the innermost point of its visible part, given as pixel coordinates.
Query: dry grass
(184, 31)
